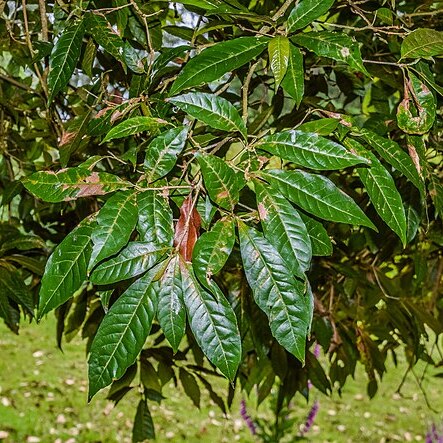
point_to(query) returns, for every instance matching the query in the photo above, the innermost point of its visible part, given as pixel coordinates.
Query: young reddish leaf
(187, 228)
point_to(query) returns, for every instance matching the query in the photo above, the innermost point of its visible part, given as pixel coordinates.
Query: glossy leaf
(115, 222)
(422, 43)
(212, 250)
(103, 33)
(322, 126)
(420, 119)
(12, 286)
(221, 181)
(309, 150)
(279, 51)
(217, 60)
(305, 12)
(317, 195)
(213, 324)
(154, 218)
(320, 241)
(335, 45)
(66, 269)
(282, 298)
(132, 126)
(133, 260)
(215, 111)
(284, 229)
(294, 81)
(72, 183)
(171, 309)
(381, 189)
(390, 151)
(64, 58)
(162, 152)
(122, 334)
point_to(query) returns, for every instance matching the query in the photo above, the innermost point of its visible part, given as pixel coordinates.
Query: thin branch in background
(44, 20)
(245, 90)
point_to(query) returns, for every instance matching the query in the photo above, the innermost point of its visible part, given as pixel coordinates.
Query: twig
(245, 91)
(44, 19)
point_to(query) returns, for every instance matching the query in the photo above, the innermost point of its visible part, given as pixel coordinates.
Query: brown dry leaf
(187, 229)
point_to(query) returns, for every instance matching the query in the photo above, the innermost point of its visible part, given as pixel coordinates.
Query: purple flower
(311, 417)
(316, 350)
(246, 417)
(434, 435)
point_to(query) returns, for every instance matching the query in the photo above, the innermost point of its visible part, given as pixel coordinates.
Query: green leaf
(322, 126)
(422, 43)
(320, 241)
(72, 183)
(217, 60)
(122, 333)
(162, 152)
(143, 428)
(88, 58)
(421, 118)
(213, 324)
(294, 80)
(283, 298)
(215, 111)
(133, 260)
(133, 126)
(335, 45)
(64, 58)
(284, 229)
(13, 287)
(390, 151)
(381, 189)
(103, 33)
(171, 309)
(279, 51)
(317, 195)
(305, 12)
(309, 150)
(436, 193)
(154, 218)
(212, 250)
(115, 222)
(190, 386)
(66, 269)
(222, 183)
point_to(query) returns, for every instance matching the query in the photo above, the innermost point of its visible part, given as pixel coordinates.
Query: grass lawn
(43, 399)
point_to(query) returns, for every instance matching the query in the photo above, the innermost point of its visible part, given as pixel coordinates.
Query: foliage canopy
(223, 183)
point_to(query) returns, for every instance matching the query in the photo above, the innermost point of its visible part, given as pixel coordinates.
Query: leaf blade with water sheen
(215, 111)
(221, 181)
(64, 58)
(217, 60)
(133, 260)
(317, 195)
(333, 45)
(213, 323)
(171, 309)
(305, 12)
(279, 51)
(309, 150)
(294, 80)
(122, 334)
(66, 269)
(162, 152)
(115, 222)
(284, 229)
(212, 250)
(283, 298)
(154, 218)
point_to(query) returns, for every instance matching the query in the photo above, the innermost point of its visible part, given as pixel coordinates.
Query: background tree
(229, 180)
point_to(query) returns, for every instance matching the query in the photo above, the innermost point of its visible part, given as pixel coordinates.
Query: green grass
(43, 394)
